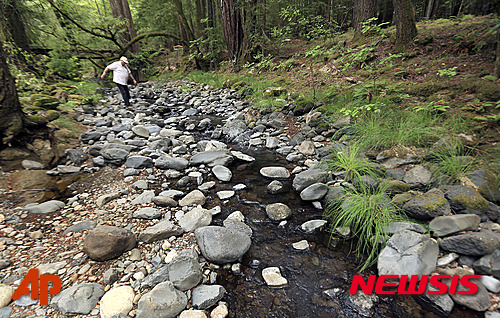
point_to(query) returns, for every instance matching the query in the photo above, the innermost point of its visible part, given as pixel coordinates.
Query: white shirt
(120, 72)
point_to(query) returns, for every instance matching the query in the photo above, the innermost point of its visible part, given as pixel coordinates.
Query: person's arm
(132, 76)
(104, 73)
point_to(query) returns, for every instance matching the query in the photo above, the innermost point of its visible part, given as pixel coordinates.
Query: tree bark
(404, 18)
(13, 26)
(363, 10)
(233, 31)
(121, 10)
(10, 108)
(430, 7)
(496, 71)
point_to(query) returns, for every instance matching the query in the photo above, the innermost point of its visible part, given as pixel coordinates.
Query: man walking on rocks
(121, 72)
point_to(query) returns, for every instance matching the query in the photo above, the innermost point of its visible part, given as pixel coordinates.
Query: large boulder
(474, 244)
(162, 301)
(107, 242)
(167, 162)
(465, 200)
(446, 225)
(184, 271)
(309, 177)
(408, 253)
(221, 245)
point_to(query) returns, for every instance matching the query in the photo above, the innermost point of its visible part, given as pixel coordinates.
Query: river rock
(205, 296)
(6, 292)
(489, 264)
(417, 177)
(395, 227)
(164, 201)
(107, 242)
(221, 245)
(140, 131)
(76, 156)
(167, 162)
(45, 207)
(275, 172)
(162, 230)
(241, 156)
(486, 183)
(170, 132)
(78, 299)
(272, 142)
(362, 303)
(440, 304)
(144, 198)
(307, 148)
(313, 226)
(195, 197)
(106, 198)
(491, 284)
(314, 192)
(465, 200)
(278, 211)
(479, 301)
(427, 206)
(147, 213)
(273, 278)
(195, 218)
(140, 185)
(408, 253)
(192, 313)
(274, 187)
(309, 177)
(139, 162)
(164, 300)
(184, 271)
(476, 244)
(158, 275)
(238, 226)
(224, 195)
(32, 165)
(117, 301)
(446, 225)
(212, 158)
(222, 173)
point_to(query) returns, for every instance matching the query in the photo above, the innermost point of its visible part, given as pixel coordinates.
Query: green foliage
(299, 23)
(432, 107)
(452, 160)
(369, 27)
(448, 72)
(64, 65)
(352, 161)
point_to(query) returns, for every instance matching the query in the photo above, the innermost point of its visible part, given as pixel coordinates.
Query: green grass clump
(452, 160)
(368, 215)
(352, 161)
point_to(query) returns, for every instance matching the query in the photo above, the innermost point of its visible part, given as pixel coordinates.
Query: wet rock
(301, 245)
(479, 301)
(439, 304)
(476, 244)
(275, 172)
(167, 162)
(164, 300)
(78, 299)
(222, 173)
(417, 177)
(273, 278)
(195, 197)
(197, 217)
(395, 227)
(313, 226)
(147, 213)
(45, 207)
(309, 177)
(238, 226)
(446, 225)
(141, 131)
(465, 200)
(489, 264)
(427, 206)
(274, 187)
(117, 301)
(224, 195)
(221, 245)
(205, 296)
(408, 253)
(491, 284)
(184, 271)
(139, 162)
(272, 142)
(362, 303)
(107, 242)
(32, 165)
(241, 156)
(307, 148)
(162, 230)
(314, 192)
(212, 158)
(278, 211)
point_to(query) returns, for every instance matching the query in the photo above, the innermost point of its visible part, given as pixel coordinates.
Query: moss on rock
(471, 203)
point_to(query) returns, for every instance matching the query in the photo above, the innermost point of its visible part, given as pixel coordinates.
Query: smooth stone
(278, 211)
(275, 172)
(224, 195)
(147, 213)
(195, 197)
(78, 299)
(447, 225)
(273, 278)
(312, 226)
(206, 296)
(117, 301)
(222, 173)
(301, 245)
(162, 230)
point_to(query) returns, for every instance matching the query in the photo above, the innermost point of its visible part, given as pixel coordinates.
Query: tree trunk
(496, 71)
(430, 7)
(363, 10)
(12, 25)
(404, 18)
(233, 31)
(10, 109)
(121, 10)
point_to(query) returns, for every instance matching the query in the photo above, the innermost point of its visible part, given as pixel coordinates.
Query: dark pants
(125, 93)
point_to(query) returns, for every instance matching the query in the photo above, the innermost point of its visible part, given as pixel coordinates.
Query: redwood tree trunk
(233, 31)
(10, 109)
(12, 24)
(363, 10)
(121, 10)
(404, 18)
(496, 71)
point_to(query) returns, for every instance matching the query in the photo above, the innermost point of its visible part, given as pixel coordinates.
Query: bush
(65, 65)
